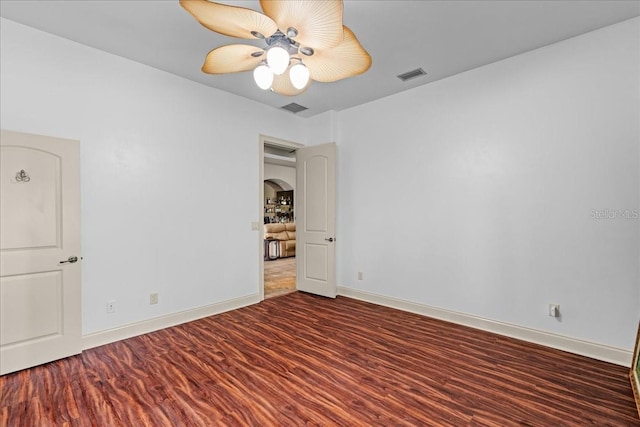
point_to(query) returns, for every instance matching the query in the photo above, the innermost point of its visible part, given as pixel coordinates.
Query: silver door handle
(330, 239)
(70, 260)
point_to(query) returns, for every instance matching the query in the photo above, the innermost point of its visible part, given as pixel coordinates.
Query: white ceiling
(442, 37)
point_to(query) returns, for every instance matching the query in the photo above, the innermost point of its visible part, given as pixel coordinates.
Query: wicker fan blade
(282, 85)
(232, 58)
(346, 60)
(230, 20)
(319, 23)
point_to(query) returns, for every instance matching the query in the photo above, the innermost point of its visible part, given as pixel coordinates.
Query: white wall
(153, 149)
(475, 193)
(322, 128)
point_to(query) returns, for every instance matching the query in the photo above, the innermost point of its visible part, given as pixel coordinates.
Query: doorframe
(262, 140)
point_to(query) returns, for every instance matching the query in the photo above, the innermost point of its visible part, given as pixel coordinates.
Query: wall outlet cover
(112, 306)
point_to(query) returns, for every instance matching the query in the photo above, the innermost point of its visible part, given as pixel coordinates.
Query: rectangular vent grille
(294, 108)
(412, 74)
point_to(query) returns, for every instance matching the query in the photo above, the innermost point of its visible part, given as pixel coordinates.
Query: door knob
(330, 239)
(70, 260)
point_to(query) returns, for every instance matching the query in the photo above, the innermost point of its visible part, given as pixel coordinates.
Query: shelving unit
(280, 209)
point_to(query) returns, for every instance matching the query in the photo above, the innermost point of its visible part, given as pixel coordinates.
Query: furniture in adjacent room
(285, 234)
(271, 249)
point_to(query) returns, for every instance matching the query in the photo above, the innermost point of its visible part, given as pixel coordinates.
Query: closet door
(40, 303)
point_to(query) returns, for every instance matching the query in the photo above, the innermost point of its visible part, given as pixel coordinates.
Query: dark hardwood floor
(305, 360)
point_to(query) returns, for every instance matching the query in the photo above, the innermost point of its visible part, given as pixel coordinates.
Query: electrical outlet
(153, 298)
(112, 306)
(554, 310)
(359, 275)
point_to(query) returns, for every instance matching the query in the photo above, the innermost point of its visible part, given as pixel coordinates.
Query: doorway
(278, 267)
(279, 230)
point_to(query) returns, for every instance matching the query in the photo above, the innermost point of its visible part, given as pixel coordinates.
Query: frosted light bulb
(278, 60)
(299, 75)
(263, 76)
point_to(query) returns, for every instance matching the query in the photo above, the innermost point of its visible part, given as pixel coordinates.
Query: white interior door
(40, 302)
(315, 219)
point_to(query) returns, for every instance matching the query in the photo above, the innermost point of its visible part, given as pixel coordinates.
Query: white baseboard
(585, 348)
(144, 327)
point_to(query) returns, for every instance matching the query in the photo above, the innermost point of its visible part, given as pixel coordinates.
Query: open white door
(40, 303)
(315, 219)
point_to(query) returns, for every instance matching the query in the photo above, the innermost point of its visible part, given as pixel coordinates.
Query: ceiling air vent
(412, 74)
(294, 108)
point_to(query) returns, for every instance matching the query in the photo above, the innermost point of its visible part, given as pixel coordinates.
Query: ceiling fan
(305, 41)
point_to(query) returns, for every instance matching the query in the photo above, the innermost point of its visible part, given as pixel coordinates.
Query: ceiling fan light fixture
(336, 53)
(278, 59)
(263, 76)
(306, 51)
(299, 75)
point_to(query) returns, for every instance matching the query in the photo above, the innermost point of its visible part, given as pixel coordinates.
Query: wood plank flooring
(306, 360)
(279, 277)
